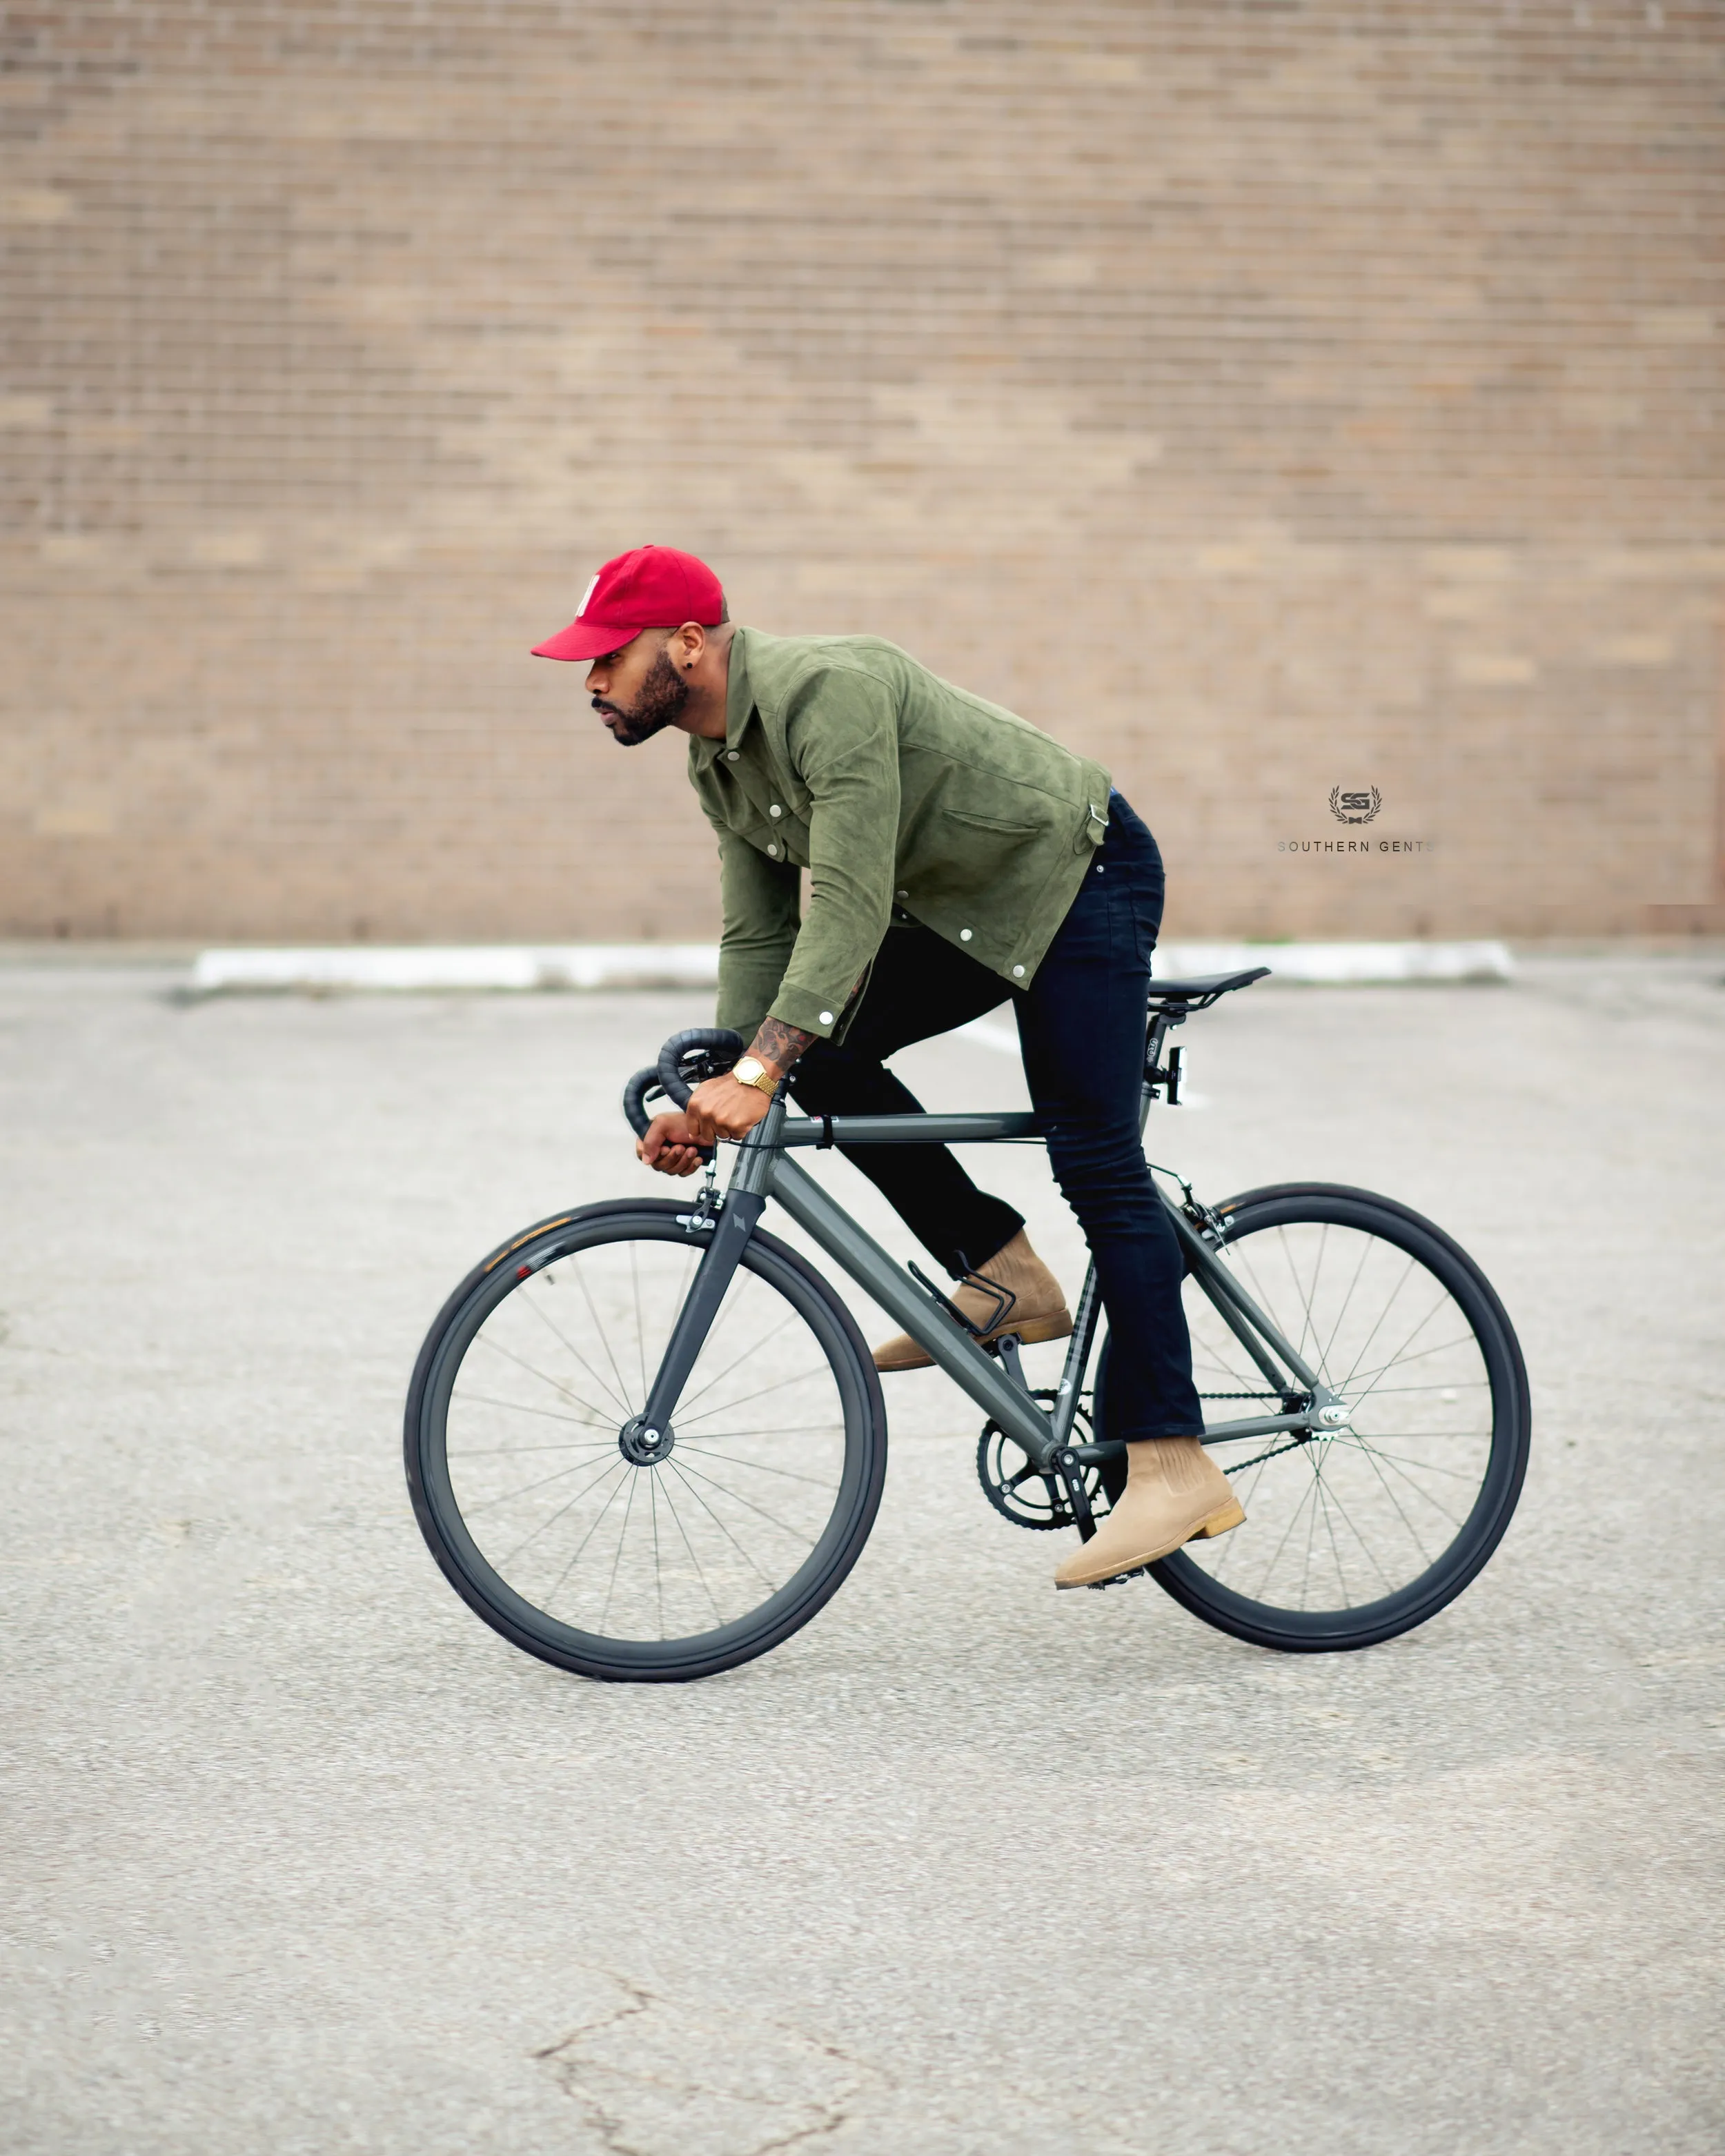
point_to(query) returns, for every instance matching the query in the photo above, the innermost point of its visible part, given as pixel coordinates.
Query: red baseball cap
(648, 588)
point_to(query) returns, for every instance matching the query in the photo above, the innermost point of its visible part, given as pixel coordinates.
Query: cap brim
(587, 640)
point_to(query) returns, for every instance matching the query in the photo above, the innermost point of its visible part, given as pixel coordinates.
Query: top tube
(984, 1129)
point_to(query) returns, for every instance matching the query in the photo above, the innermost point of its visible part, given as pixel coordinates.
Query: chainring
(1022, 1495)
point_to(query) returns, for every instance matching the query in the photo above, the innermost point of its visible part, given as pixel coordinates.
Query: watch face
(750, 1071)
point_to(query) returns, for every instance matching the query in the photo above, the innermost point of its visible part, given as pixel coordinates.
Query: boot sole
(1036, 1329)
(1231, 1515)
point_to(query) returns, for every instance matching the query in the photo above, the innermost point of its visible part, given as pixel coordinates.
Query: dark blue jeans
(1081, 1027)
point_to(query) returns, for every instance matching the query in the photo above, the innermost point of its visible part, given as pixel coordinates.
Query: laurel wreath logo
(1355, 807)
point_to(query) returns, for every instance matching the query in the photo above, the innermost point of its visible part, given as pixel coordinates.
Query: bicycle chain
(1293, 1444)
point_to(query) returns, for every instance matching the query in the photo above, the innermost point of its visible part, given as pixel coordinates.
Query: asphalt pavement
(300, 1857)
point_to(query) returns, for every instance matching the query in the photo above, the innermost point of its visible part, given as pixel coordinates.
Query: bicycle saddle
(1205, 988)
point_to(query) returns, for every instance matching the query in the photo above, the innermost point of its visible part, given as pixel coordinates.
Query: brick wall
(1267, 397)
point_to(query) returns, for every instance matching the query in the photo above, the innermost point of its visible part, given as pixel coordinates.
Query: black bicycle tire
(647, 1661)
(1370, 1623)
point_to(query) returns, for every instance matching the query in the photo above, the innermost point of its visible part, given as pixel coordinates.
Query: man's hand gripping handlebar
(693, 1070)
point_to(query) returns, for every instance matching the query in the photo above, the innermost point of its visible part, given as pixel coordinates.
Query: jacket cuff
(808, 1012)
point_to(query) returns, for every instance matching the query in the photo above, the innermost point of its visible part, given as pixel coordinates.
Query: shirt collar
(739, 708)
(739, 694)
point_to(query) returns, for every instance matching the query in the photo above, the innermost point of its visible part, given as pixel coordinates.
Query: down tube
(898, 1295)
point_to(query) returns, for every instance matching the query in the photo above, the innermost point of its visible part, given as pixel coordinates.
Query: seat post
(1157, 1078)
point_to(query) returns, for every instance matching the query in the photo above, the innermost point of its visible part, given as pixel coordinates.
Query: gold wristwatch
(752, 1071)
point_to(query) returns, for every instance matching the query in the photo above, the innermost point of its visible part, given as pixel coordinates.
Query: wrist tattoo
(780, 1044)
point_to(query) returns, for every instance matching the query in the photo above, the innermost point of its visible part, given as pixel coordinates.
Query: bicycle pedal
(1137, 1572)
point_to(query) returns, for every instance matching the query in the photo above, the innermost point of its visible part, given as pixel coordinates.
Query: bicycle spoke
(724, 1490)
(658, 1566)
(635, 1276)
(683, 1478)
(525, 1294)
(1318, 1485)
(1428, 1466)
(1371, 1559)
(575, 1558)
(1401, 1282)
(796, 1378)
(1419, 1355)
(1275, 1554)
(1389, 1493)
(753, 1349)
(700, 1573)
(1437, 1385)
(1370, 1452)
(509, 1451)
(520, 1407)
(635, 1481)
(1324, 1498)
(1307, 1329)
(622, 1391)
(760, 1466)
(1365, 1252)
(544, 1483)
(610, 1470)
(600, 1420)
(1463, 1340)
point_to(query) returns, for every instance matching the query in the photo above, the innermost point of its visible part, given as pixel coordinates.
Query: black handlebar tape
(634, 1099)
(702, 1040)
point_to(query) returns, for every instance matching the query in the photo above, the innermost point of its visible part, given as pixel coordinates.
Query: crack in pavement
(657, 2078)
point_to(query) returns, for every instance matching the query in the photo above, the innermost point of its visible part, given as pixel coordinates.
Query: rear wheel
(1357, 1534)
(554, 1516)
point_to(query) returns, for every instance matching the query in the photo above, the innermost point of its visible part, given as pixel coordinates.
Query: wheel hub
(644, 1447)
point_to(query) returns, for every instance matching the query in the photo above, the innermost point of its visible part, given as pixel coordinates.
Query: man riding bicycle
(956, 858)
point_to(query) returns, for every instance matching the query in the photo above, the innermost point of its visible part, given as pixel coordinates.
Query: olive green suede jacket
(895, 792)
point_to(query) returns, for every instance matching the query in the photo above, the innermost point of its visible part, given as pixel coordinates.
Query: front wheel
(1355, 1535)
(629, 1554)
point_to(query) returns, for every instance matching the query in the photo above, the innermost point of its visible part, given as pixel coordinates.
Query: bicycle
(645, 1439)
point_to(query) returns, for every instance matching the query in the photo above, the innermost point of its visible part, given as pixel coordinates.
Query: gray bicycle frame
(762, 1171)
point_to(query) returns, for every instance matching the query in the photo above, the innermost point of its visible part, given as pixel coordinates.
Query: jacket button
(730, 756)
(964, 936)
(775, 810)
(773, 851)
(901, 893)
(826, 1017)
(1017, 973)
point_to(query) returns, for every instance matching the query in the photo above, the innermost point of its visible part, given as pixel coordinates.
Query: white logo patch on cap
(585, 597)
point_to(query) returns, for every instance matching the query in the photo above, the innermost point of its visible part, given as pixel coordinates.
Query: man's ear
(685, 645)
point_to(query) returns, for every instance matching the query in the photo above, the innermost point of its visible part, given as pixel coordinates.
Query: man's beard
(663, 696)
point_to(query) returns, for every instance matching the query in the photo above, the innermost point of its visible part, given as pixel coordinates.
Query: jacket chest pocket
(1009, 827)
